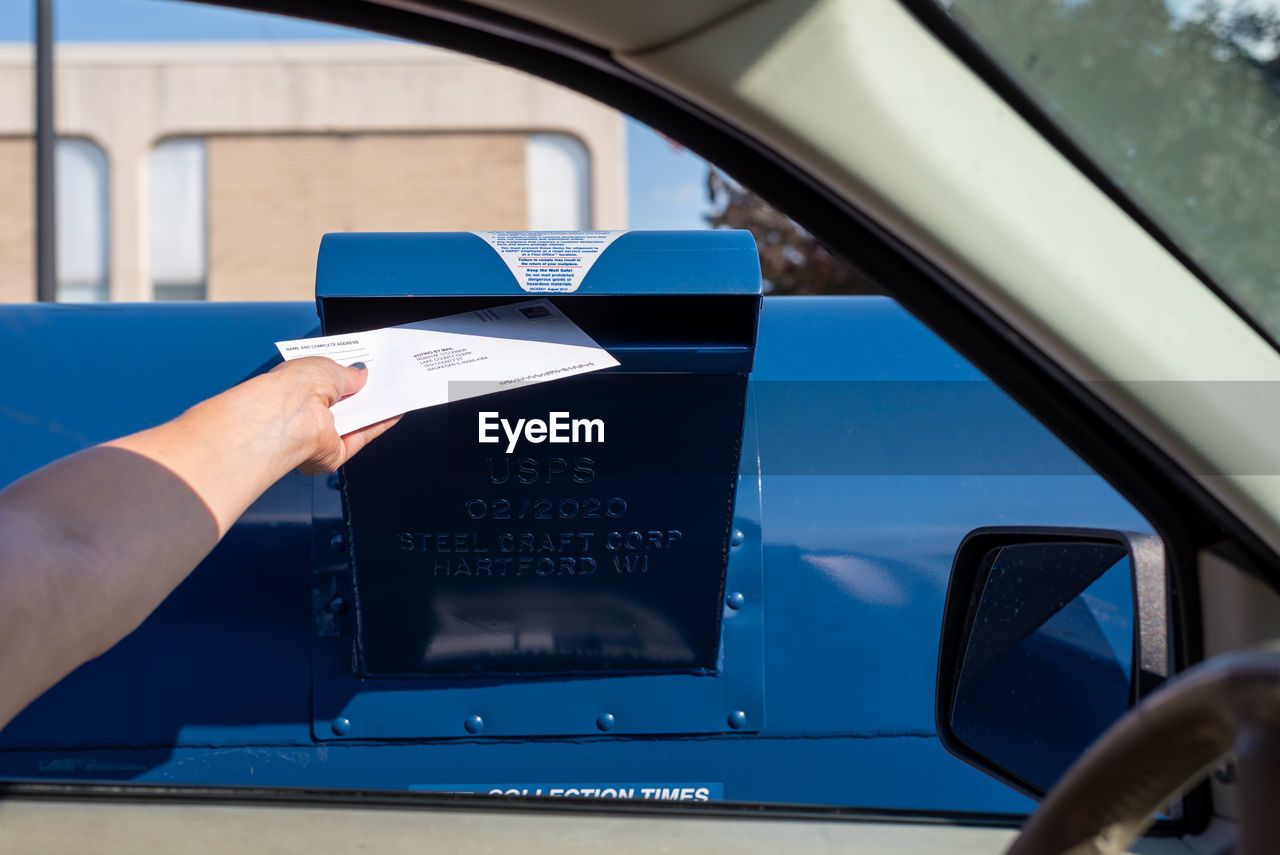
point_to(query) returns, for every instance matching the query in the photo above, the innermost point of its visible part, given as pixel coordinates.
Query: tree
(791, 260)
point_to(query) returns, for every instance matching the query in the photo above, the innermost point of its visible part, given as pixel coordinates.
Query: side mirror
(1048, 637)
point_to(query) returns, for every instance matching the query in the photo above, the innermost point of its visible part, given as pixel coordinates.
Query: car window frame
(1104, 440)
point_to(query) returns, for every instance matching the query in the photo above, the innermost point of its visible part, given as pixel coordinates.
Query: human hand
(309, 387)
(80, 569)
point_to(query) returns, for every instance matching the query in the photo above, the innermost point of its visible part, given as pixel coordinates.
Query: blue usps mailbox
(869, 450)
(569, 577)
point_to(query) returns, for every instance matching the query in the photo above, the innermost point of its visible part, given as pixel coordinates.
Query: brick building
(210, 170)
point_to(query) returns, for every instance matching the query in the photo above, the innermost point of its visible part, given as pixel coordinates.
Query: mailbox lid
(461, 264)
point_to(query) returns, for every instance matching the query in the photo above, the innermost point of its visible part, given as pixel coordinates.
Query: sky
(665, 183)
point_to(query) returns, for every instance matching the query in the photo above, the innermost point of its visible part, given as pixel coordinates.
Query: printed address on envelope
(474, 353)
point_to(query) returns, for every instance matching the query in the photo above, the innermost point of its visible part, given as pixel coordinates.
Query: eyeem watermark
(559, 428)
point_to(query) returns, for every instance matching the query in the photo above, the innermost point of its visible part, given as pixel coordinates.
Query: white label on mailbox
(549, 262)
(448, 359)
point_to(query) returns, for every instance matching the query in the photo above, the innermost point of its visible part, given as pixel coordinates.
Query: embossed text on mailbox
(531, 557)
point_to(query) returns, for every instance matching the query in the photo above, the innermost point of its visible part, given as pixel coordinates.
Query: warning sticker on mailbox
(549, 262)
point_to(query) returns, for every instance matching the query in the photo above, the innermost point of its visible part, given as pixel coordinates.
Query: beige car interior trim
(858, 92)
(1240, 612)
(625, 26)
(616, 27)
(58, 826)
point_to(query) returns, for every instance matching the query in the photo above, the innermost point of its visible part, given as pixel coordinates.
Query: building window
(179, 221)
(558, 182)
(82, 217)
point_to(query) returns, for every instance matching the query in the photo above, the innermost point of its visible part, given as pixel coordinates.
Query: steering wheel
(1164, 746)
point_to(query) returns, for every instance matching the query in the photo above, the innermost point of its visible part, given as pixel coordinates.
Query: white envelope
(448, 359)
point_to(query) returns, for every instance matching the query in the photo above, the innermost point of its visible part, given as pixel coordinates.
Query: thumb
(354, 377)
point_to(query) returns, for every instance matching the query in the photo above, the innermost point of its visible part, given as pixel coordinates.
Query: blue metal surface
(216, 686)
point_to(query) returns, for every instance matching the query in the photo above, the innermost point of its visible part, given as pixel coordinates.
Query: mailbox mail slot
(602, 551)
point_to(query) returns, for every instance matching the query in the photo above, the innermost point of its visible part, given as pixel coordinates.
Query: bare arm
(92, 543)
